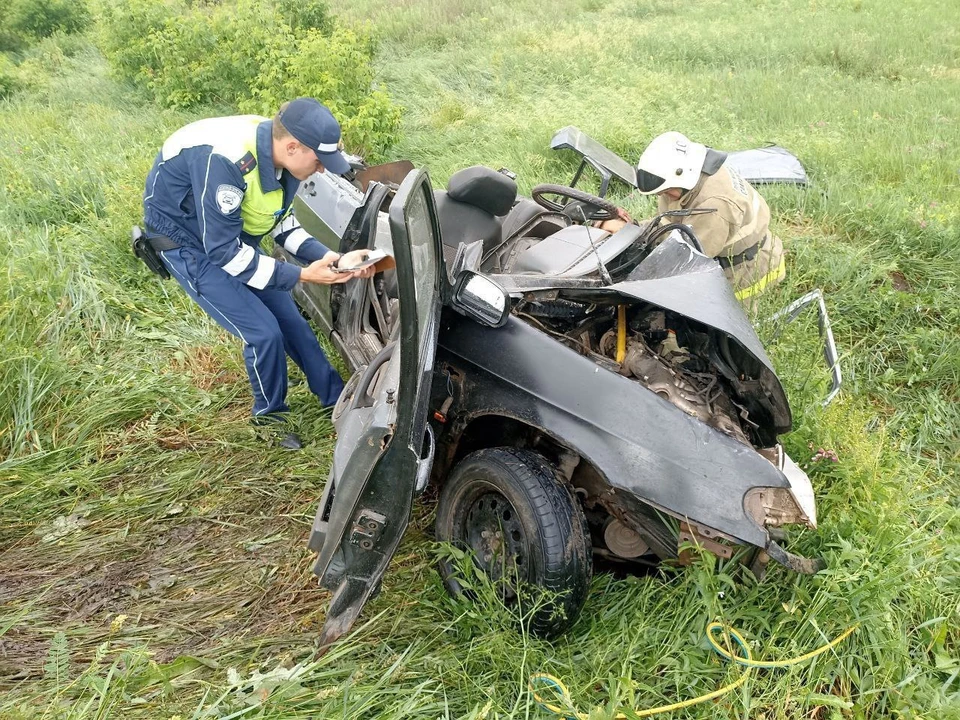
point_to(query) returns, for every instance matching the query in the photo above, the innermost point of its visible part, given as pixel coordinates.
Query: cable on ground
(567, 710)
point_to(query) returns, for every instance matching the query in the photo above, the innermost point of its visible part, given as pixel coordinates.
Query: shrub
(36, 19)
(213, 55)
(337, 69)
(126, 33)
(251, 55)
(9, 40)
(306, 15)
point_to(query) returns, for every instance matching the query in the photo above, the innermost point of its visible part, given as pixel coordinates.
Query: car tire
(509, 509)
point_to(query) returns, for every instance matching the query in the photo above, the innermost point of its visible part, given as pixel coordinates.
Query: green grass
(132, 485)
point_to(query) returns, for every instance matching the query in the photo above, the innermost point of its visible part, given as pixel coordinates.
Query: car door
(379, 458)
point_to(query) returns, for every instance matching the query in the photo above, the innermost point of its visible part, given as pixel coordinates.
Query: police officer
(686, 175)
(216, 189)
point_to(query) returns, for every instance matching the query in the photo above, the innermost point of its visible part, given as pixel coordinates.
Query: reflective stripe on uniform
(264, 272)
(758, 287)
(241, 261)
(289, 234)
(295, 239)
(289, 223)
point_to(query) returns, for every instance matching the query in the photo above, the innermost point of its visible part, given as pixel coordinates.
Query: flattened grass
(154, 561)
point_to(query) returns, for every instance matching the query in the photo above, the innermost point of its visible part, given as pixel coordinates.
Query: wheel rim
(492, 530)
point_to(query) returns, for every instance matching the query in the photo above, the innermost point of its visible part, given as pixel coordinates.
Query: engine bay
(687, 364)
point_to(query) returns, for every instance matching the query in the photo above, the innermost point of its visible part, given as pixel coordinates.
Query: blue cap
(315, 126)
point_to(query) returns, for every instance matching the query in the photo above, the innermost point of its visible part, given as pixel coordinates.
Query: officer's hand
(355, 257)
(321, 273)
(367, 272)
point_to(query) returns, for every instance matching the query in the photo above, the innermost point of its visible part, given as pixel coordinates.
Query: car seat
(470, 208)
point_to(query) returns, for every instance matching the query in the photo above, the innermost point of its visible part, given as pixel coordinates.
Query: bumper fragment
(797, 563)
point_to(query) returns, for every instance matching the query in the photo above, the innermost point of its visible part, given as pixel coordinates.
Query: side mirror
(481, 299)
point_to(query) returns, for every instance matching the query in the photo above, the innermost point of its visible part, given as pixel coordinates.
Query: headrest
(484, 188)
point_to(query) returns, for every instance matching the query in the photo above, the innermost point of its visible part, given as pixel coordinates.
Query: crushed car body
(526, 355)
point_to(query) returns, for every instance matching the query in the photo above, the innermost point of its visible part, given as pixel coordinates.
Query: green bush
(306, 15)
(33, 65)
(9, 40)
(126, 33)
(337, 69)
(34, 19)
(251, 55)
(211, 56)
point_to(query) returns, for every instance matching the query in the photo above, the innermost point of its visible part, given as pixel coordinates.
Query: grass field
(153, 551)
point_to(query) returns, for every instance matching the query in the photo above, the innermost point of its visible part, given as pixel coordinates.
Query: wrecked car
(571, 393)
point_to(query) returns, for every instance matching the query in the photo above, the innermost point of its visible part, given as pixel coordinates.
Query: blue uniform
(215, 191)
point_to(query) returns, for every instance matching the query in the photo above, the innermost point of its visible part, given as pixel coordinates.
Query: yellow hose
(746, 660)
(621, 332)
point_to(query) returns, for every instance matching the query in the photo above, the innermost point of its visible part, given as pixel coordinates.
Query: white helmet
(670, 161)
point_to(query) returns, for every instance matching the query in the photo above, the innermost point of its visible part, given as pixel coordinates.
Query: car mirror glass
(482, 299)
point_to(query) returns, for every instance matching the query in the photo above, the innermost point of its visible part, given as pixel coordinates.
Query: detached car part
(830, 354)
(770, 164)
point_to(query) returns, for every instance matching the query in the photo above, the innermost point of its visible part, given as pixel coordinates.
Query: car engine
(667, 354)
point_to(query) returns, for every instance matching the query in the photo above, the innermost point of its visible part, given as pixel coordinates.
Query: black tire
(515, 497)
(605, 210)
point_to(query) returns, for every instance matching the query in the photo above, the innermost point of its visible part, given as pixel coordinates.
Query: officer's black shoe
(291, 441)
(275, 430)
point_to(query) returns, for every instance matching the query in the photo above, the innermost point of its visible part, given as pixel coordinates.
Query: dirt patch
(16, 645)
(899, 281)
(183, 589)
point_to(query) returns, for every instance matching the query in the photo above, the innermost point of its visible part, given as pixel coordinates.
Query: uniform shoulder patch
(247, 163)
(229, 198)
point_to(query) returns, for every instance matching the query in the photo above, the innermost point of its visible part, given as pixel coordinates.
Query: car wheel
(524, 528)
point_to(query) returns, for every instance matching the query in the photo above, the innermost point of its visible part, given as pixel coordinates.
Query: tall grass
(154, 561)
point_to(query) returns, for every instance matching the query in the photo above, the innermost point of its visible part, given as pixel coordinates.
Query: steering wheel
(585, 205)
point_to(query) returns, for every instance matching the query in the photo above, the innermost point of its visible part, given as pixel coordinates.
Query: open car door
(384, 451)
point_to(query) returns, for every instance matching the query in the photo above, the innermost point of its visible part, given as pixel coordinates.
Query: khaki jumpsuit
(737, 234)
